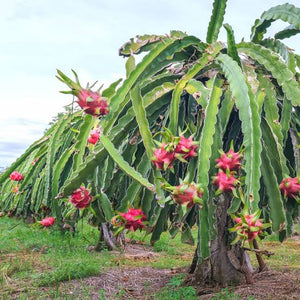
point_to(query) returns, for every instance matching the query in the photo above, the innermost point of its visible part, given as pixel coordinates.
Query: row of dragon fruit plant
(153, 142)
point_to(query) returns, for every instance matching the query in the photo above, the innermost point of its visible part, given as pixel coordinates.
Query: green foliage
(287, 32)
(216, 20)
(174, 290)
(123, 164)
(248, 114)
(279, 70)
(205, 145)
(286, 12)
(242, 95)
(274, 198)
(232, 51)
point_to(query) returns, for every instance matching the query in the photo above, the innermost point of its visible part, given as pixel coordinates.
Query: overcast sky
(39, 36)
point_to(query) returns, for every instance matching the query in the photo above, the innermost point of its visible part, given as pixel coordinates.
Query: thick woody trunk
(227, 264)
(107, 240)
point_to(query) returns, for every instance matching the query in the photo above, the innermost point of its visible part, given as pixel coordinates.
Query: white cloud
(28, 105)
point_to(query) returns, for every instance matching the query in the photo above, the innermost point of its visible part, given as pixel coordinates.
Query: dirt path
(142, 283)
(126, 283)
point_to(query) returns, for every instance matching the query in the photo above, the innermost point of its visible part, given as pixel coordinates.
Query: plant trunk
(227, 264)
(261, 264)
(107, 240)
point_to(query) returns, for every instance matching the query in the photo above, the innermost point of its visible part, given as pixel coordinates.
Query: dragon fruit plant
(15, 176)
(132, 220)
(91, 102)
(186, 193)
(179, 148)
(81, 198)
(229, 161)
(47, 222)
(186, 148)
(94, 136)
(163, 157)
(248, 227)
(223, 95)
(226, 179)
(290, 187)
(225, 182)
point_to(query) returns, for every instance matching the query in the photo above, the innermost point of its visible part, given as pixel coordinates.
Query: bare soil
(143, 283)
(123, 282)
(117, 283)
(270, 284)
(139, 283)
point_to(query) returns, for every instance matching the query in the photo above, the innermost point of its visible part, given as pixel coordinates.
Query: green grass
(43, 257)
(171, 252)
(286, 254)
(175, 291)
(32, 257)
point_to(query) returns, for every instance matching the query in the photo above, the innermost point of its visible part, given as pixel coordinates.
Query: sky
(40, 36)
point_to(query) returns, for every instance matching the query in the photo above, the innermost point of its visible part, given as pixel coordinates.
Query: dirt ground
(135, 283)
(270, 284)
(121, 282)
(142, 283)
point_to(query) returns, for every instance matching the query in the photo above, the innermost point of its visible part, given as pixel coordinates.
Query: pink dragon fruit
(133, 219)
(229, 161)
(16, 176)
(162, 158)
(290, 187)
(47, 222)
(94, 136)
(247, 230)
(189, 193)
(81, 198)
(225, 182)
(186, 148)
(92, 103)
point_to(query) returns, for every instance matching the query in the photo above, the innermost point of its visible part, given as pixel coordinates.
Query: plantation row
(144, 154)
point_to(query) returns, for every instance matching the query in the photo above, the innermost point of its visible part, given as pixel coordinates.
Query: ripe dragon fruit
(186, 148)
(290, 187)
(189, 193)
(250, 229)
(94, 136)
(81, 198)
(163, 158)
(229, 161)
(133, 219)
(92, 103)
(47, 222)
(16, 176)
(225, 182)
